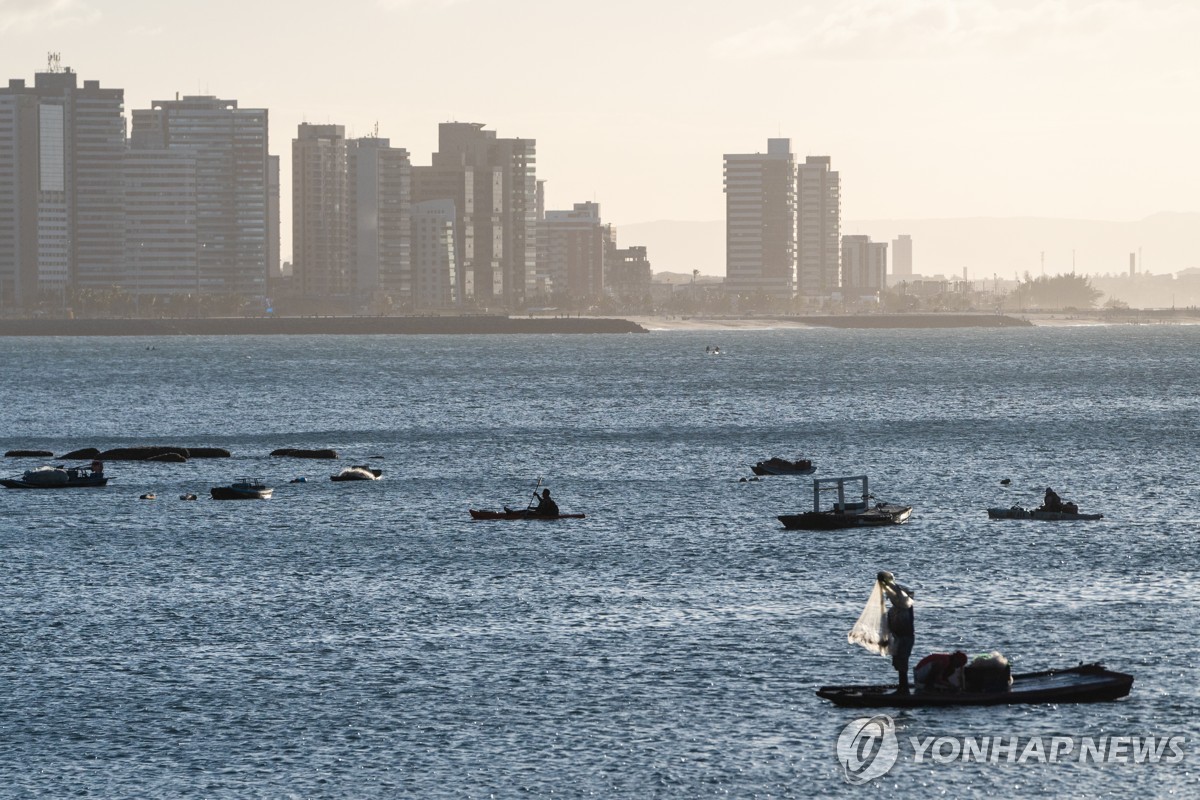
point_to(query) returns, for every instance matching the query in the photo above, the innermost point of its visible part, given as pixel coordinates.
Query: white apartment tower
(760, 221)
(902, 264)
(864, 266)
(818, 228)
(61, 188)
(435, 283)
(321, 227)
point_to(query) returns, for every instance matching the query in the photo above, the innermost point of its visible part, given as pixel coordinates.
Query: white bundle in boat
(46, 476)
(871, 630)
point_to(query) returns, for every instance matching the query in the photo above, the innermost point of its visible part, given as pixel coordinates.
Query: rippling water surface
(368, 639)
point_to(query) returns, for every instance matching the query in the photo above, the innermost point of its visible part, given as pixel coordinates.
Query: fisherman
(900, 625)
(97, 467)
(1052, 501)
(940, 671)
(546, 507)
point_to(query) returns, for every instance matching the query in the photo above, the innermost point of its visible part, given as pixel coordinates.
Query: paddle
(535, 498)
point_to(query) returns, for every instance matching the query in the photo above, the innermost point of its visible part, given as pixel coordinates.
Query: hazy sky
(930, 108)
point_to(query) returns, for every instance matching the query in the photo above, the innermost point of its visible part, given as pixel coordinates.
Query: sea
(369, 639)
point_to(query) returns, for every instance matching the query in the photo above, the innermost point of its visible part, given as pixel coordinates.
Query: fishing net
(871, 629)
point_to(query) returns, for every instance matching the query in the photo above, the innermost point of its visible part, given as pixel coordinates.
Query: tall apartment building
(493, 184)
(321, 222)
(760, 221)
(902, 264)
(380, 189)
(818, 227)
(162, 236)
(435, 283)
(864, 266)
(571, 248)
(233, 184)
(61, 188)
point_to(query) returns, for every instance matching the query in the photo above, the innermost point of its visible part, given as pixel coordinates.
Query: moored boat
(362, 472)
(844, 513)
(1017, 512)
(517, 513)
(1086, 683)
(782, 466)
(58, 478)
(244, 488)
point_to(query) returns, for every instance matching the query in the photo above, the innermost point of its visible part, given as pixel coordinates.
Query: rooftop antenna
(53, 62)
(376, 131)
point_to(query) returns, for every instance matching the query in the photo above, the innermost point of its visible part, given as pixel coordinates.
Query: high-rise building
(818, 227)
(760, 221)
(902, 264)
(161, 245)
(233, 184)
(380, 188)
(864, 265)
(61, 189)
(573, 259)
(273, 218)
(321, 222)
(493, 183)
(434, 280)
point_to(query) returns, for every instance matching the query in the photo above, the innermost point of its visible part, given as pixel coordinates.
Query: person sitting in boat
(1052, 502)
(940, 671)
(546, 507)
(901, 629)
(97, 467)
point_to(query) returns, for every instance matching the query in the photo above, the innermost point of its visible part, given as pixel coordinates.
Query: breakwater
(352, 326)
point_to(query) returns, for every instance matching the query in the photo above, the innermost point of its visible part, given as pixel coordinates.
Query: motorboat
(782, 466)
(847, 511)
(362, 472)
(244, 488)
(520, 513)
(1017, 512)
(1086, 683)
(58, 477)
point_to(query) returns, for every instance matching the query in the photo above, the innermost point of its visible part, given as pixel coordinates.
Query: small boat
(518, 513)
(781, 466)
(1086, 683)
(363, 472)
(57, 478)
(1016, 512)
(845, 514)
(244, 488)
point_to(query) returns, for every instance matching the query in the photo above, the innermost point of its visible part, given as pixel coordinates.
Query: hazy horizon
(930, 109)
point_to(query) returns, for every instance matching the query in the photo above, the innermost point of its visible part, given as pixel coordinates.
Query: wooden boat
(244, 488)
(1016, 512)
(1086, 683)
(781, 466)
(57, 478)
(517, 513)
(857, 513)
(362, 472)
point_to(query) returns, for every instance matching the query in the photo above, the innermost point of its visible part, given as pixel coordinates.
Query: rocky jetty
(293, 452)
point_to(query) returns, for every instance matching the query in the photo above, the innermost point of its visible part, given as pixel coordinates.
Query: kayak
(509, 513)
(1086, 683)
(1016, 512)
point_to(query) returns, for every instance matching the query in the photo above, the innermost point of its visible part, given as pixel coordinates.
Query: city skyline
(931, 109)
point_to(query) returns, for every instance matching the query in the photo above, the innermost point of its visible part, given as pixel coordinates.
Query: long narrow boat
(57, 478)
(1016, 512)
(1086, 683)
(781, 466)
(512, 513)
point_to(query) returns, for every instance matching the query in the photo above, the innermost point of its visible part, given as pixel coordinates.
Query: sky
(1077, 109)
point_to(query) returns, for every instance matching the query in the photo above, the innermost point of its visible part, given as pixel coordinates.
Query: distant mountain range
(1005, 247)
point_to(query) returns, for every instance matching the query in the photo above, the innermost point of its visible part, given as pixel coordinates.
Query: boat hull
(507, 514)
(233, 493)
(77, 483)
(882, 514)
(1087, 683)
(1043, 516)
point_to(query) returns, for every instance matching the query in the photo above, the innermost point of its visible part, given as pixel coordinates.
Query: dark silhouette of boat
(1016, 512)
(856, 513)
(58, 478)
(781, 466)
(517, 513)
(1086, 683)
(244, 488)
